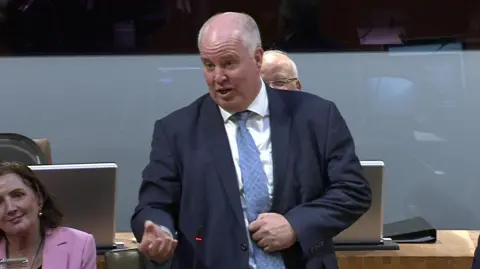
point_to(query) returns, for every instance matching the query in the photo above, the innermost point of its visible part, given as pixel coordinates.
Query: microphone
(198, 241)
(201, 221)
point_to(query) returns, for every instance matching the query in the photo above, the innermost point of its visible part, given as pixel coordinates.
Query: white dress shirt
(258, 124)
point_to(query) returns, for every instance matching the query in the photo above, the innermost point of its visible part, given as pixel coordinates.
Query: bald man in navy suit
(247, 176)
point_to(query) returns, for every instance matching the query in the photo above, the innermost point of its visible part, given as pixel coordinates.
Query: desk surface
(449, 244)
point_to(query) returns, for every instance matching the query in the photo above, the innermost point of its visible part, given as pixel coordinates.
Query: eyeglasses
(281, 82)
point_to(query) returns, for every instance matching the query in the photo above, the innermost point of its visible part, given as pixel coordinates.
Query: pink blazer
(65, 248)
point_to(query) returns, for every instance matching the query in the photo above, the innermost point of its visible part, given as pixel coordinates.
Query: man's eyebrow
(279, 77)
(228, 56)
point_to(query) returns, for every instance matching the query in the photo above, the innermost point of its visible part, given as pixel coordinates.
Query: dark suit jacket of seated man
(476, 256)
(190, 185)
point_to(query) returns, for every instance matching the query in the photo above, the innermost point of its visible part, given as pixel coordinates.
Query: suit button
(244, 247)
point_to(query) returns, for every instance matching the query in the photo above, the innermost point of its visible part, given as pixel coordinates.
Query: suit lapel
(214, 133)
(280, 137)
(54, 252)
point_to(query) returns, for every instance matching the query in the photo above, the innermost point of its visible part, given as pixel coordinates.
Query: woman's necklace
(36, 253)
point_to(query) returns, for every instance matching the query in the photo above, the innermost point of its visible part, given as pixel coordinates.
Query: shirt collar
(259, 106)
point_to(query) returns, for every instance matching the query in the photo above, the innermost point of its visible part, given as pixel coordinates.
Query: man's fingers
(167, 247)
(160, 249)
(149, 227)
(269, 249)
(170, 247)
(156, 244)
(144, 246)
(264, 215)
(163, 246)
(155, 249)
(256, 225)
(262, 243)
(257, 236)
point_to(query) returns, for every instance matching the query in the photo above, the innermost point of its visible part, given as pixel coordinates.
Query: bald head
(279, 71)
(231, 53)
(232, 25)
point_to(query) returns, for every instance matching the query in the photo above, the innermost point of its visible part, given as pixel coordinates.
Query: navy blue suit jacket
(476, 256)
(190, 185)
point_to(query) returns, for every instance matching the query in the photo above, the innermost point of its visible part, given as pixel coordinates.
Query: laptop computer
(85, 193)
(368, 229)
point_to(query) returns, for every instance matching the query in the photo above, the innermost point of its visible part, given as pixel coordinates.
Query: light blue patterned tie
(255, 187)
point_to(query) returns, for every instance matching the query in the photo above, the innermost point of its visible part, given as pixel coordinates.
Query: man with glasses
(279, 71)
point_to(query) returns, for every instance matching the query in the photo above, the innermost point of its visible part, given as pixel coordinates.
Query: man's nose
(220, 76)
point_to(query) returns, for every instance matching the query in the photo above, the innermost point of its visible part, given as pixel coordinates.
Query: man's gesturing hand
(272, 232)
(157, 244)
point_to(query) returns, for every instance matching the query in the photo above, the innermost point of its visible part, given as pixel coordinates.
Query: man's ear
(299, 85)
(258, 57)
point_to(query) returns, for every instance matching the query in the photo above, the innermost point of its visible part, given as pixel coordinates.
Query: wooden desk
(453, 250)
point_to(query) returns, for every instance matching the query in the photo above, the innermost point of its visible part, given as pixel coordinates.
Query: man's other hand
(272, 232)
